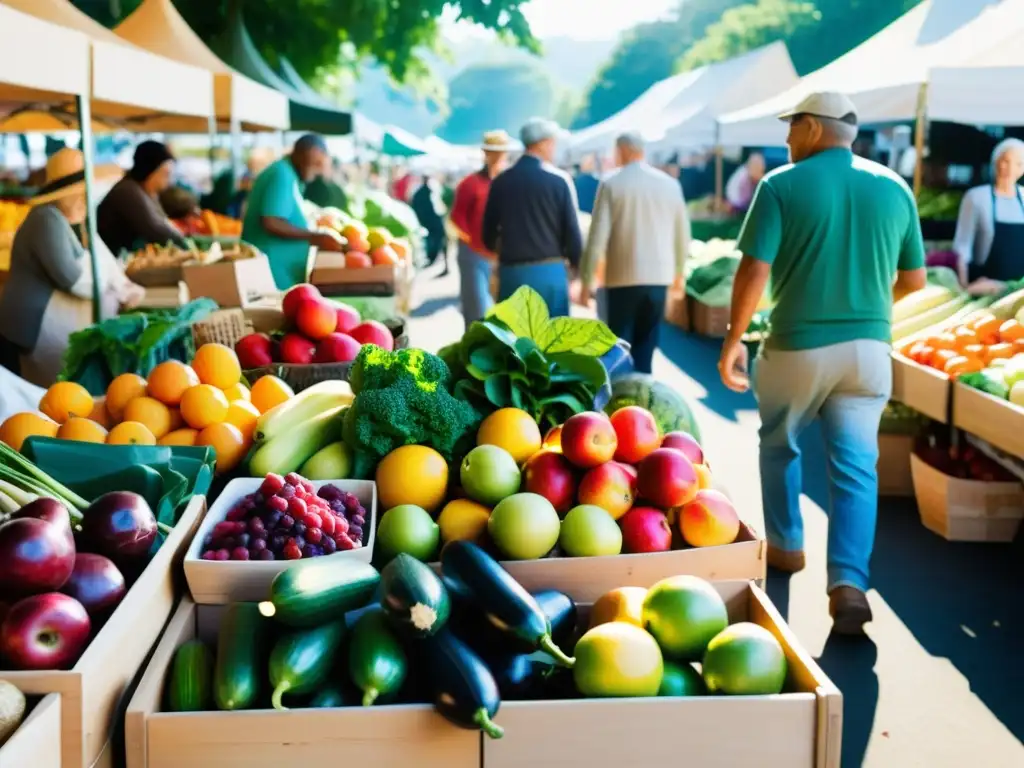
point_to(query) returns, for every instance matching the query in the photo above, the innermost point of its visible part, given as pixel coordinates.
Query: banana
(287, 452)
(304, 406)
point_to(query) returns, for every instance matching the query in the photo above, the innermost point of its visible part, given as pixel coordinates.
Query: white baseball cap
(830, 104)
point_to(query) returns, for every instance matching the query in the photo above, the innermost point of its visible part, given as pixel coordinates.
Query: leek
(8, 506)
(921, 302)
(13, 492)
(12, 462)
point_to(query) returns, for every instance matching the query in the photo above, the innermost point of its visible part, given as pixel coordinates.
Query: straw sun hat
(498, 141)
(65, 176)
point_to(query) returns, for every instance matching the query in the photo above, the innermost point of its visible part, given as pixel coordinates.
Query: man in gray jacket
(641, 230)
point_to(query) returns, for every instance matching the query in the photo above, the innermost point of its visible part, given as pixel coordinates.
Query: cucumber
(333, 695)
(376, 661)
(477, 579)
(189, 688)
(412, 596)
(464, 690)
(476, 628)
(320, 590)
(241, 646)
(302, 660)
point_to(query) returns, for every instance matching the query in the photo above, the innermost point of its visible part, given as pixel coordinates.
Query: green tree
(497, 95)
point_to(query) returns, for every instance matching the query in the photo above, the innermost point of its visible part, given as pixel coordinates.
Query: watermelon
(670, 408)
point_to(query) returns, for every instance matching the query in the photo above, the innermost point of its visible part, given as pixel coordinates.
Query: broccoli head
(376, 368)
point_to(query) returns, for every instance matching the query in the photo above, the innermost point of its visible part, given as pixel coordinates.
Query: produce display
(317, 331)
(365, 246)
(963, 461)
(12, 214)
(710, 271)
(12, 710)
(981, 342)
(939, 204)
(169, 256)
(210, 224)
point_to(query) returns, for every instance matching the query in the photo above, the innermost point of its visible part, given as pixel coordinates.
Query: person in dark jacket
(430, 210)
(130, 215)
(532, 223)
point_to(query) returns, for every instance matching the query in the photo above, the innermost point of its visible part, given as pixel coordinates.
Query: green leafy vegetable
(525, 314)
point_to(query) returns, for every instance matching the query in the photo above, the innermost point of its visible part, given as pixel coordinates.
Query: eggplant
(523, 676)
(478, 579)
(475, 628)
(463, 688)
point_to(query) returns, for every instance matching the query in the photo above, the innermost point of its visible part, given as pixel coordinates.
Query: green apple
(489, 474)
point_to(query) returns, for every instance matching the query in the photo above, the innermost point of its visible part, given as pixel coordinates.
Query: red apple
(50, 510)
(357, 260)
(666, 478)
(637, 433)
(35, 556)
(685, 442)
(96, 583)
(710, 520)
(610, 487)
(645, 529)
(629, 469)
(315, 318)
(295, 296)
(336, 348)
(348, 318)
(553, 439)
(47, 631)
(588, 439)
(255, 351)
(550, 474)
(296, 349)
(372, 332)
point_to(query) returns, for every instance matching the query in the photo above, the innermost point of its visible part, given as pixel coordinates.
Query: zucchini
(475, 577)
(333, 695)
(189, 687)
(320, 590)
(376, 661)
(412, 596)
(302, 660)
(523, 676)
(476, 628)
(464, 690)
(241, 645)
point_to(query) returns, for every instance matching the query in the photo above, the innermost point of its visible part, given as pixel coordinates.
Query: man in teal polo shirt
(274, 220)
(840, 238)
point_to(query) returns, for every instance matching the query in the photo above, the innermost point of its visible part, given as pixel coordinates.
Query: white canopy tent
(883, 75)
(681, 111)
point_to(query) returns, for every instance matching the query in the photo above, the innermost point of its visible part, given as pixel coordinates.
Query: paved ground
(939, 682)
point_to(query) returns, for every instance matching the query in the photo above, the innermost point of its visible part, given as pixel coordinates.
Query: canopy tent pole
(85, 126)
(921, 120)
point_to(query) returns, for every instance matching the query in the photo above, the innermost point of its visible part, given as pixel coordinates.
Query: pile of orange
(969, 347)
(205, 403)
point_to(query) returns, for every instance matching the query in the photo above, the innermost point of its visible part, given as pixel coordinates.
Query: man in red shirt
(476, 262)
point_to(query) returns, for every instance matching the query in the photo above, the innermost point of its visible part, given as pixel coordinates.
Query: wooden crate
(382, 736)
(924, 389)
(798, 729)
(894, 476)
(996, 421)
(36, 743)
(677, 309)
(92, 690)
(712, 322)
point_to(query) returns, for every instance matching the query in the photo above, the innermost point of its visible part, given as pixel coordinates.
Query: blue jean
(847, 386)
(475, 284)
(548, 278)
(634, 313)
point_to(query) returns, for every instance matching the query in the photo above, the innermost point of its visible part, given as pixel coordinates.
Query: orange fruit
(130, 433)
(269, 391)
(244, 415)
(179, 437)
(965, 337)
(958, 366)
(122, 390)
(412, 474)
(150, 413)
(100, 414)
(66, 399)
(926, 355)
(975, 350)
(217, 365)
(177, 422)
(1011, 331)
(237, 391)
(17, 428)
(945, 340)
(227, 443)
(943, 356)
(986, 328)
(82, 430)
(1002, 351)
(203, 405)
(512, 429)
(169, 380)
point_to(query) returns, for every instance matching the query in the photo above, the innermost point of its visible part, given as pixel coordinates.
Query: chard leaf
(499, 390)
(576, 334)
(524, 313)
(489, 359)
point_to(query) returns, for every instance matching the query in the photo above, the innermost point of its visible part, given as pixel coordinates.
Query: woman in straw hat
(48, 295)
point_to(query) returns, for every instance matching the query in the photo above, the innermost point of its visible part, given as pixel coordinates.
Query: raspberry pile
(287, 519)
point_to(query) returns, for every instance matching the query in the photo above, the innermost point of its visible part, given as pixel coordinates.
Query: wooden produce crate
(36, 743)
(801, 728)
(966, 510)
(996, 421)
(894, 476)
(230, 283)
(920, 387)
(677, 309)
(92, 690)
(333, 278)
(712, 322)
(381, 736)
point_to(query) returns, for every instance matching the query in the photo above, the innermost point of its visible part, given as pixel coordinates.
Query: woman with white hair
(989, 240)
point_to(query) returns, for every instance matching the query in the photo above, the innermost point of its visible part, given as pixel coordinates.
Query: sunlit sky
(586, 19)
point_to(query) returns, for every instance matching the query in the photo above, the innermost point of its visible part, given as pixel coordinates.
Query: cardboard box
(36, 743)
(798, 729)
(91, 691)
(924, 389)
(996, 421)
(380, 736)
(333, 278)
(677, 309)
(966, 510)
(231, 283)
(894, 476)
(712, 322)
(214, 582)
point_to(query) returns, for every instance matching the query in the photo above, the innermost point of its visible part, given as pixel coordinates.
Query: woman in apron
(989, 240)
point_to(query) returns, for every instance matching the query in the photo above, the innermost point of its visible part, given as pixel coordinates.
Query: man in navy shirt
(531, 221)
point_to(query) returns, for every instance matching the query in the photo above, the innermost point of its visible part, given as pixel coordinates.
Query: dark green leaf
(576, 334)
(499, 390)
(533, 358)
(490, 359)
(476, 373)
(565, 399)
(586, 369)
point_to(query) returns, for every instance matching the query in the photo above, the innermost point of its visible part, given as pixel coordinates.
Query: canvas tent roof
(128, 84)
(883, 75)
(400, 143)
(40, 62)
(157, 26)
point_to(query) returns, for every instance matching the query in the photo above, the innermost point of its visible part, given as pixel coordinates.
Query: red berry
(271, 485)
(312, 520)
(344, 542)
(313, 535)
(241, 526)
(209, 555)
(287, 521)
(222, 554)
(293, 478)
(236, 513)
(292, 552)
(296, 507)
(341, 523)
(278, 504)
(240, 553)
(308, 486)
(327, 524)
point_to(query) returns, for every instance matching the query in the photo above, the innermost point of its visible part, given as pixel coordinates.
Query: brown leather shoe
(849, 609)
(790, 561)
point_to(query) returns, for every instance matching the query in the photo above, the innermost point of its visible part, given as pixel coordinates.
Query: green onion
(18, 464)
(16, 494)
(8, 506)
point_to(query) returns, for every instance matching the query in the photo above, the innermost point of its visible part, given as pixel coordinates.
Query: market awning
(130, 87)
(40, 62)
(400, 143)
(157, 26)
